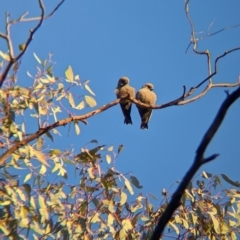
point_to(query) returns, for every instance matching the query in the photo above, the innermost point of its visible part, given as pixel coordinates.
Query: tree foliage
(36, 200)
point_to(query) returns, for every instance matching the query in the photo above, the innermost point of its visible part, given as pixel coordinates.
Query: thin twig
(23, 19)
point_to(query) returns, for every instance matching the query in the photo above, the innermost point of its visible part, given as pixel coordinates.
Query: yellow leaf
(5, 203)
(233, 235)
(110, 148)
(90, 101)
(71, 100)
(69, 74)
(4, 56)
(80, 105)
(108, 158)
(90, 172)
(123, 198)
(32, 202)
(24, 212)
(43, 169)
(36, 57)
(5, 230)
(21, 194)
(41, 201)
(174, 227)
(110, 219)
(127, 225)
(77, 129)
(129, 187)
(48, 229)
(215, 223)
(40, 156)
(111, 207)
(89, 89)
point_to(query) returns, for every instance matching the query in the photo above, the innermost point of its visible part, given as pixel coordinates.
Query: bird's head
(123, 81)
(149, 86)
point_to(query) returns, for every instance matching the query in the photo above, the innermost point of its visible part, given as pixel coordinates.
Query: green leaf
(27, 189)
(49, 135)
(228, 180)
(36, 57)
(13, 128)
(54, 152)
(90, 101)
(135, 182)
(89, 89)
(22, 46)
(69, 74)
(120, 148)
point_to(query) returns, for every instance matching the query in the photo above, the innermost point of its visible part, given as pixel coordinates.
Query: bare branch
(23, 19)
(2, 35)
(8, 39)
(221, 30)
(7, 36)
(198, 162)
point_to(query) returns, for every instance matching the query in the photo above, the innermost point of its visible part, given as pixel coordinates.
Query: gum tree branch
(59, 123)
(8, 39)
(103, 108)
(198, 162)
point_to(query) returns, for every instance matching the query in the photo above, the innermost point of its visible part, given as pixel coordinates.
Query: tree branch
(59, 123)
(7, 37)
(198, 162)
(23, 19)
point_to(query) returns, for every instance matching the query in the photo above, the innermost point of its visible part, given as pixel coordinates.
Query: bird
(124, 89)
(147, 96)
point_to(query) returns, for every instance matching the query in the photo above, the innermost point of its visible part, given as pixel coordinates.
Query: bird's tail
(144, 125)
(128, 120)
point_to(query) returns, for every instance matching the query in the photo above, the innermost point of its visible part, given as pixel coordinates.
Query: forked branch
(7, 37)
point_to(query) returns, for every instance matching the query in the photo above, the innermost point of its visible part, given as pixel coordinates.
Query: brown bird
(147, 96)
(123, 89)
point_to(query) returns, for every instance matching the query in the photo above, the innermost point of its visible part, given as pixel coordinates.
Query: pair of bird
(144, 95)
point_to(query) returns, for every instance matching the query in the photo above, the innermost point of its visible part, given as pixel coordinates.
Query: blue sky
(145, 41)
